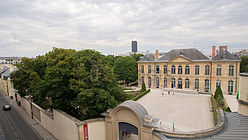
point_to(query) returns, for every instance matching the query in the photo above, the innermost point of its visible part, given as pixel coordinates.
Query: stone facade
(243, 94)
(158, 72)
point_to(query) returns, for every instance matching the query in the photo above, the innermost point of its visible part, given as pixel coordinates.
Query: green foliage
(80, 83)
(214, 108)
(140, 95)
(244, 64)
(218, 94)
(126, 68)
(228, 109)
(143, 88)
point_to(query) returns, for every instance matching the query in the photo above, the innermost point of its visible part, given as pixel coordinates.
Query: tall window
(157, 69)
(165, 82)
(206, 85)
(206, 70)
(187, 70)
(231, 70)
(186, 83)
(230, 86)
(218, 84)
(196, 83)
(180, 69)
(142, 69)
(173, 82)
(173, 69)
(165, 69)
(149, 82)
(180, 83)
(149, 69)
(142, 80)
(218, 70)
(196, 70)
(157, 82)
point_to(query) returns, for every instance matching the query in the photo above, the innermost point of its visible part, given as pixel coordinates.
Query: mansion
(191, 69)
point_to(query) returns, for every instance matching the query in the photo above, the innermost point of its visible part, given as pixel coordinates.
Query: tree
(143, 87)
(218, 94)
(126, 68)
(244, 64)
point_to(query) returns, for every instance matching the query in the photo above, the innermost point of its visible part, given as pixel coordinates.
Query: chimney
(213, 52)
(222, 48)
(156, 54)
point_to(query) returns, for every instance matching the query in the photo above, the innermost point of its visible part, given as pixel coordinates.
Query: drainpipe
(236, 79)
(211, 78)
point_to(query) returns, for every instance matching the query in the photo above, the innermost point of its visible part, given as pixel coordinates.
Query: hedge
(140, 95)
(214, 107)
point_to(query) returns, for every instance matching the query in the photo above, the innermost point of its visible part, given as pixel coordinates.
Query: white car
(6, 107)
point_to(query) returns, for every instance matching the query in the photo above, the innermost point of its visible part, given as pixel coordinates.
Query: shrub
(141, 95)
(228, 109)
(218, 93)
(143, 87)
(214, 107)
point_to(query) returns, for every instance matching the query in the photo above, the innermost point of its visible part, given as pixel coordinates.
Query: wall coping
(203, 133)
(243, 102)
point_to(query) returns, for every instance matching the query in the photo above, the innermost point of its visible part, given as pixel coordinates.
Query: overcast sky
(33, 27)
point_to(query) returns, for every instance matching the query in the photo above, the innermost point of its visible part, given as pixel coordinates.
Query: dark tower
(134, 46)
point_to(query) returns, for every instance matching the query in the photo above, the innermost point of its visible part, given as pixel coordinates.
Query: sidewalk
(41, 131)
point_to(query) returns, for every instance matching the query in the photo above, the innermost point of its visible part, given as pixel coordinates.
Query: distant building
(134, 46)
(10, 60)
(134, 50)
(190, 69)
(243, 52)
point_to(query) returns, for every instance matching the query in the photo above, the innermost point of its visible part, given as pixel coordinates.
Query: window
(187, 70)
(142, 80)
(180, 70)
(165, 69)
(230, 86)
(157, 82)
(186, 83)
(218, 70)
(173, 69)
(218, 84)
(197, 70)
(149, 69)
(180, 83)
(196, 83)
(206, 85)
(165, 82)
(157, 69)
(206, 70)
(173, 82)
(149, 82)
(231, 70)
(142, 69)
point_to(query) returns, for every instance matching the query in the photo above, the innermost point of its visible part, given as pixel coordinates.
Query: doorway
(127, 131)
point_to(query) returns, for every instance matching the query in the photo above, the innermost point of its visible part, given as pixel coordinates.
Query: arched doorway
(127, 131)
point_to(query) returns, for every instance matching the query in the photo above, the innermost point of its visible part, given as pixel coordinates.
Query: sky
(33, 27)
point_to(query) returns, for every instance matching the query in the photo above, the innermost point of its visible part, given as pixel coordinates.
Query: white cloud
(33, 27)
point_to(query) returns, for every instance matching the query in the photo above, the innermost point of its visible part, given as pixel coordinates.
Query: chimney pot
(213, 52)
(156, 54)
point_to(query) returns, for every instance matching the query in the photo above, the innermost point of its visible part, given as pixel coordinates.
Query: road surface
(14, 126)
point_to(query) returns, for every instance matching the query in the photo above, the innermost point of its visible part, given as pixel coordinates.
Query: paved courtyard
(188, 112)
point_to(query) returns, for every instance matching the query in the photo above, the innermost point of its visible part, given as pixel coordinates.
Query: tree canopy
(244, 64)
(81, 83)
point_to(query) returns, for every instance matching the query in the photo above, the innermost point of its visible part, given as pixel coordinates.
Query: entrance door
(180, 83)
(127, 131)
(157, 82)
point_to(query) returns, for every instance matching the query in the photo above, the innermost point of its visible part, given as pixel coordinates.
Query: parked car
(6, 107)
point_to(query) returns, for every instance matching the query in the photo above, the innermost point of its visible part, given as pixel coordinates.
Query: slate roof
(236, 129)
(148, 57)
(225, 55)
(192, 54)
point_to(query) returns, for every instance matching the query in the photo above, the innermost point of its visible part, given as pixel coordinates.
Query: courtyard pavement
(188, 112)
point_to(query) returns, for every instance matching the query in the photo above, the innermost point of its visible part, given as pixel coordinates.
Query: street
(14, 126)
